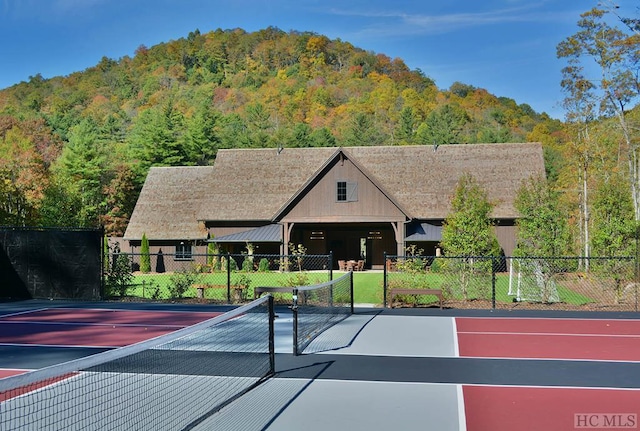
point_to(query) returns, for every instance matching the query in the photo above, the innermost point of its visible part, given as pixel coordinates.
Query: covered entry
(348, 241)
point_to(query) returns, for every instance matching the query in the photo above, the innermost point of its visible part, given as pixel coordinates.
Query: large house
(357, 202)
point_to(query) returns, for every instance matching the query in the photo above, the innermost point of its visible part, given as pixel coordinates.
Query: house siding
(320, 205)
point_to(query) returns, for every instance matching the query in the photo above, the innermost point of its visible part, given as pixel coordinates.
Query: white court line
(456, 347)
(554, 334)
(23, 312)
(462, 416)
(21, 370)
(584, 319)
(462, 385)
(59, 346)
(127, 310)
(119, 325)
(527, 358)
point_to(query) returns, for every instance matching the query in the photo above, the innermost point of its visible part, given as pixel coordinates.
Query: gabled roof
(338, 154)
(255, 185)
(423, 178)
(168, 203)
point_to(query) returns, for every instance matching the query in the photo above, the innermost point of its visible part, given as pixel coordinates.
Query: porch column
(398, 228)
(286, 237)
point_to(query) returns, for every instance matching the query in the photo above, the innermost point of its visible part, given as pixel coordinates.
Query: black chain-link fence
(218, 278)
(544, 283)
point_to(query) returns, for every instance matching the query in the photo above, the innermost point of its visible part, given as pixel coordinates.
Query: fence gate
(50, 263)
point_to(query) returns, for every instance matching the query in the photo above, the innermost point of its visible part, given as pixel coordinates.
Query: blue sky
(505, 46)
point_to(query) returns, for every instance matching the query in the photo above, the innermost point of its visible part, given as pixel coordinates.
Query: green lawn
(368, 287)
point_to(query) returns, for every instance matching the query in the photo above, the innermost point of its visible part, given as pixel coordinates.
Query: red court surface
(92, 327)
(500, 408)
(580, 339)
(7, 372)
(110, 317)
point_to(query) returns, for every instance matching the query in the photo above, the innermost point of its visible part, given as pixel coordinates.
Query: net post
(330, 302)
(351, 291)
(272, 344)
(294, 309)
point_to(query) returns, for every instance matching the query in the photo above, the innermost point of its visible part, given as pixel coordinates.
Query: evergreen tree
(405, 131)
(201, 141)
(154, 138)
(81, 169)
(443, 126)
(322, 138)
(145, 257)
(362, 131)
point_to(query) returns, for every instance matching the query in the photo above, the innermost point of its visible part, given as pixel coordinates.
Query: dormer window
(346, 191)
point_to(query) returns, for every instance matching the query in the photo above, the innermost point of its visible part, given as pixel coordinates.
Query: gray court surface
(347, 380)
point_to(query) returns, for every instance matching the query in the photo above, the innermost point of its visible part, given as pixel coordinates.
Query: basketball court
(399, 369)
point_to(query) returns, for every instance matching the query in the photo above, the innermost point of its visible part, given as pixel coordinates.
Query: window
(346, 191)
(342, 191)
(183, 251)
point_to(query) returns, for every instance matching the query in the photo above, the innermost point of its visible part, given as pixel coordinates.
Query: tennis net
(316, 308)
(172, 382)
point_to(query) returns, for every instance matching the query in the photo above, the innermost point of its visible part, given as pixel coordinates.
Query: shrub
(119, 275)
(240, 287)
(436, 265)
(211, 251)
(181, 281)
(298, 279)
(247, 265)
(233, 265)
(263, 266)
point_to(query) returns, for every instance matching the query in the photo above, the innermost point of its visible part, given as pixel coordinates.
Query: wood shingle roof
(168, 203)
(255, 184)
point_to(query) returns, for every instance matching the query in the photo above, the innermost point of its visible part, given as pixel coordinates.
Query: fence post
(104, 262)
(384, 281)
(637, 265)
(330, 265)
(228, 278)
(493, 283)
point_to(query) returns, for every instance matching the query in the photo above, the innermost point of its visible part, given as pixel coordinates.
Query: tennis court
(401, 369)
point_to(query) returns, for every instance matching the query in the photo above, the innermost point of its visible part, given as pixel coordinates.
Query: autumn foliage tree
(66, 139)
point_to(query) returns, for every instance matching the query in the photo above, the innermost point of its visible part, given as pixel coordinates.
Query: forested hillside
(75, 150)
